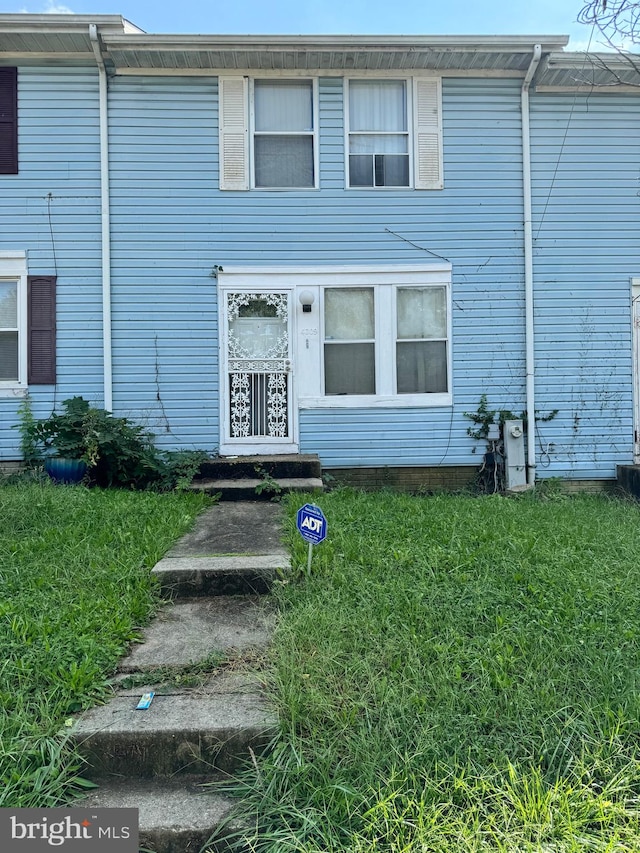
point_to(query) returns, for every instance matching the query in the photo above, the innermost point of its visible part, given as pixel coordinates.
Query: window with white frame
(283, 134)
(349, 340)
(372, 336)
(421, 340)
(394, 133)
(378, 133)
(388, 340)
(268, 132)
(13, 320)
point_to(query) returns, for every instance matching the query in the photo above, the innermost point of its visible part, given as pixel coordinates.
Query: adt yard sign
(312, 524)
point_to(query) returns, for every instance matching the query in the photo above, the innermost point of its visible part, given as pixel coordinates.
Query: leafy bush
(117, 451)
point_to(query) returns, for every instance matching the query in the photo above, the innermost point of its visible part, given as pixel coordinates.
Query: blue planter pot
(61, 470)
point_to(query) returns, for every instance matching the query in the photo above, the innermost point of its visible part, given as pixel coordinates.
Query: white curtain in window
(372, 143)
(422, 312)
(348, 314)
(421, 367)
(283, 105)
(379, 105)
(8, 305)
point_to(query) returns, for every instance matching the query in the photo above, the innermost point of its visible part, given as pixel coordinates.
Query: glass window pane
(421, 367)
(422, 312)
(349, 369)
(377, 105)
(283, 105)
(391, 170)
(284, 161)
(372, 143)
(256, 337)
(348, 314)
(361, 170)
(8, 304)
(8, 356)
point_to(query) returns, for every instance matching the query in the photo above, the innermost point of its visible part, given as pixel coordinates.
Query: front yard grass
(458, 674)
(74, 588)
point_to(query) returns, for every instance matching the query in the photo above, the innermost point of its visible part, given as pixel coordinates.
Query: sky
(398, 17)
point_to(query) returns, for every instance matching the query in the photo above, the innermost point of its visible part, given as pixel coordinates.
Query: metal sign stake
(312, 526)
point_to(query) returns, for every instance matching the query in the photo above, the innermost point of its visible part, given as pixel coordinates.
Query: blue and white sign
(312, 524)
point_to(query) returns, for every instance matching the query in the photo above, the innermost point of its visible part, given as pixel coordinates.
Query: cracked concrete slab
(234, 528)
(190, 630)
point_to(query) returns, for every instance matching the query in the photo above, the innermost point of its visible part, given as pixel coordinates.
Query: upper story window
(283, 134)
(394, 133)
(268, 131)
(378, 133)
(8, 121)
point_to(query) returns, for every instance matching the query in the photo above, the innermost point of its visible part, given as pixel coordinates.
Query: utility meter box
(515, 467)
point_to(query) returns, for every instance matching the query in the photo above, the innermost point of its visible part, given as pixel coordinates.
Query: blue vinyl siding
(585, 156)
(51, 209)
(171, 225)
(476, 224)
(164, 175)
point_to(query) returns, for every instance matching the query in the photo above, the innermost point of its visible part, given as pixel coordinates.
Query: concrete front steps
(170, 760)
(249, 478)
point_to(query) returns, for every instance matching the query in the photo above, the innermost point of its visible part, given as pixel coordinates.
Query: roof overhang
(28, 39)
(590, 71)
(326, 53)
(32, 39)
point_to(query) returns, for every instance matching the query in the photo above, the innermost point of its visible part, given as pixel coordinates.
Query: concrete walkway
(166, 761)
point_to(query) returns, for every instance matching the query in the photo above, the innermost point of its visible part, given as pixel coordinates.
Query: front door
(257, 408)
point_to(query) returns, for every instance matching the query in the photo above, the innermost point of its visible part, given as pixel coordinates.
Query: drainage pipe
(528, 269)
(105, 211)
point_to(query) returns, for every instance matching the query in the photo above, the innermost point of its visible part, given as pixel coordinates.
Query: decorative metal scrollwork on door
(258, 364)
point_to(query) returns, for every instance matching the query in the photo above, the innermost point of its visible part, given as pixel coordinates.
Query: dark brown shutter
(8, 121)
(41, 329)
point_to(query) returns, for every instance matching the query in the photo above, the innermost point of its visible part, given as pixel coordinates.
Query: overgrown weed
(75, 588)
(457, 674)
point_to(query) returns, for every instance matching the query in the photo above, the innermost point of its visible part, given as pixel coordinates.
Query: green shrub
(117, 451)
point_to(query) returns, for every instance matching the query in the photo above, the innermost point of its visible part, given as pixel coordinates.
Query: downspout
(528, 269)
(105, 211)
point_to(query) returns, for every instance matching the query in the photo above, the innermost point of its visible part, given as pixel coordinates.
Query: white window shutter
(234, 133)
(427, 130)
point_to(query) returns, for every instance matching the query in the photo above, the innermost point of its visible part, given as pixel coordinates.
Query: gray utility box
(515, 467)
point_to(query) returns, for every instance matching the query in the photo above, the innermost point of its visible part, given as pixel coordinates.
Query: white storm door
(257, 372)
